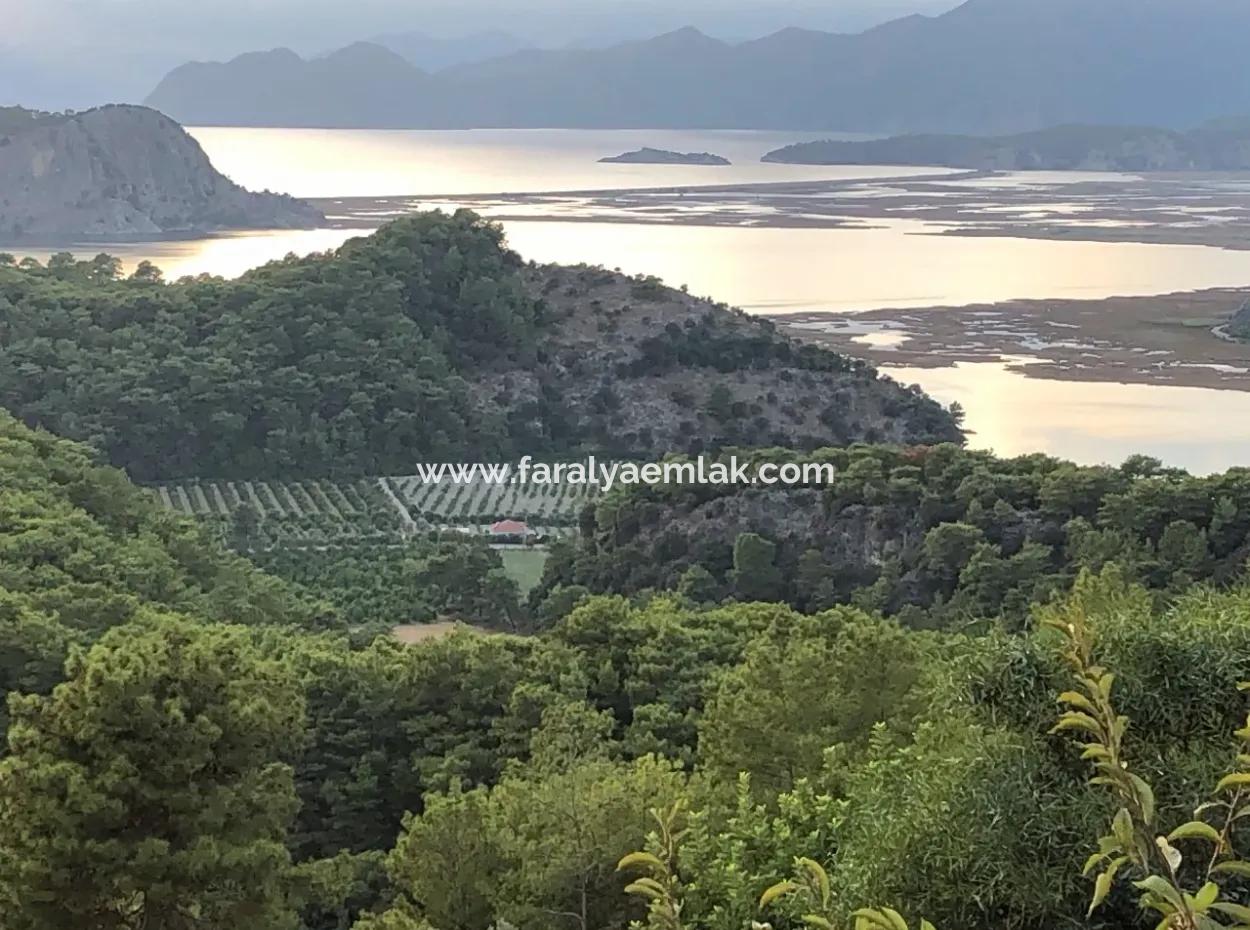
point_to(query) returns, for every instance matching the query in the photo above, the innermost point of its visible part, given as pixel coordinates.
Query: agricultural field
(281, 513)
(524, 566)
(264, 514)
(548, 509)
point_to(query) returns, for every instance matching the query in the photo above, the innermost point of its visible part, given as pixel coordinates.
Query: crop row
(320, 510)
(281, 499)
(484, 501)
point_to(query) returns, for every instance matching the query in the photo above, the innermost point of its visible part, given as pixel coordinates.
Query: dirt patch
(419, 632)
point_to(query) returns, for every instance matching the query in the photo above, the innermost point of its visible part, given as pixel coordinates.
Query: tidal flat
(1172, 339)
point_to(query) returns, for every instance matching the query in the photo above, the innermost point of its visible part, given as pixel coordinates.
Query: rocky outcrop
(650, 156)
(638, 368)
(122, 172)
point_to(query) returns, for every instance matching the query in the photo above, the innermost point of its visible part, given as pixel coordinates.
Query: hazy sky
(56, 53)
(239, 24)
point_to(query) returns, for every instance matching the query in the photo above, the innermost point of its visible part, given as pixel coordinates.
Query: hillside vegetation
(427, 341)
(1217, 147)
(259, 775)
(938, 537)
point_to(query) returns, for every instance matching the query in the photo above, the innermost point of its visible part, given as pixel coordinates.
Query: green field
(524, 566)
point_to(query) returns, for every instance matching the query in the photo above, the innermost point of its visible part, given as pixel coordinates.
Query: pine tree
(147, 791)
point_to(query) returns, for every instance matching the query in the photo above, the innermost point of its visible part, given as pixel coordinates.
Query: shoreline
(1164, 340)
(1183, 209)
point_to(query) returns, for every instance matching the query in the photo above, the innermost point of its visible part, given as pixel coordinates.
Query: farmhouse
(509, 529)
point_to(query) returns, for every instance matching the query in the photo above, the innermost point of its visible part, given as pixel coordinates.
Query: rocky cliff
(118, 172)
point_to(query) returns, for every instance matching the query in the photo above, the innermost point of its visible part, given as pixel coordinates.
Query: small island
(650, 156)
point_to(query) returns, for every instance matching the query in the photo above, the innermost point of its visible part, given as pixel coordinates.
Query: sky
(58, 53)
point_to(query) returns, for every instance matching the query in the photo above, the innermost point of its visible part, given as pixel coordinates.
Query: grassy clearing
(524, 566)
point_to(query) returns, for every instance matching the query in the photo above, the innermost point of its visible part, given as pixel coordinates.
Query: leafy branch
(1136, 843)
(658, 881)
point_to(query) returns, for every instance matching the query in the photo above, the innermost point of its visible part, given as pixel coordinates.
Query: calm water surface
(761, 269)
(1093, 423)
(380, 163)
(783, 270)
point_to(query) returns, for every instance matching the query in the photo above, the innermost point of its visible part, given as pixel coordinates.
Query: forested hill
(120, 171)
(1220, 146)
(83, 550)
(935, 537)
(429, 340)
(250, 775)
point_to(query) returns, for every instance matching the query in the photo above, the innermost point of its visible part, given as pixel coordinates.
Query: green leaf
(1235, 780)
(1093, 862)
(1122, 827)
(1102, 887)
(1076, 699)
(1233, 867)
(818, 873)
(635, 859)
(1233, 910)
(1196, 830)
(895, 919)
(1206, 896)
(1161, 888)
(646, 891)
(1073, 720)
(652, 884)
(776, 891)
(1145, 797)
(872, 918)
(1104, 685)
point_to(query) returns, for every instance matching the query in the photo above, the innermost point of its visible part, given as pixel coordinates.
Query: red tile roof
(509, 528)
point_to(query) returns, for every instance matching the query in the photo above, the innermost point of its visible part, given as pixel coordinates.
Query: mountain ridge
(987, 66)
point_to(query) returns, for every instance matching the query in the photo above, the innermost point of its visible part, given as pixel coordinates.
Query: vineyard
(319, 511)
(547, 508)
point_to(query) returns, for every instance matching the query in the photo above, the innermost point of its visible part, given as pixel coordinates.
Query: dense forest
(192, 743)
(935, 536)
(859, 705)
(376, 587)
(427, 341)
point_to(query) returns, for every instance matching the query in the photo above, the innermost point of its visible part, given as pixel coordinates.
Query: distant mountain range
(988, 66)
(1222, 145)
(431, 53)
